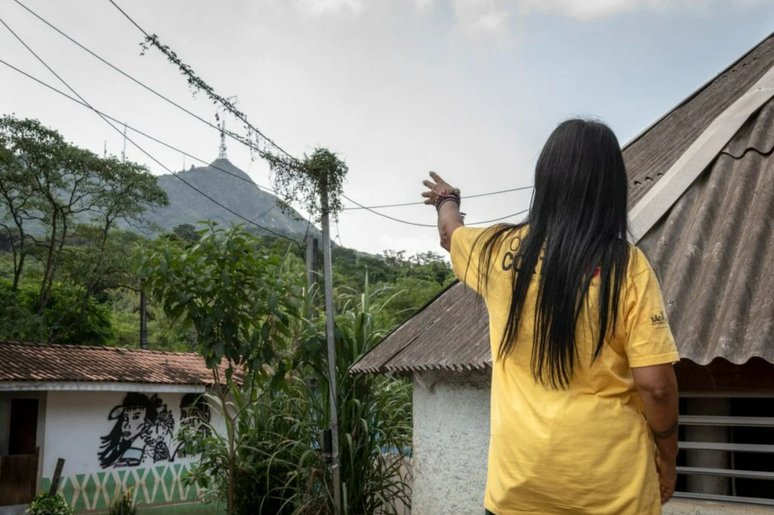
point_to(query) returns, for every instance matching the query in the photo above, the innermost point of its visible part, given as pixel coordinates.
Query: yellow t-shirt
(586, 449)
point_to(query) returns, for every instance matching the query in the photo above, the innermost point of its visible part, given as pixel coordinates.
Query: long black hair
(576, 228)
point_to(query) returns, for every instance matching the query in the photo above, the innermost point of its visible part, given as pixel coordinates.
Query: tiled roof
(24, 362)
(711, 250)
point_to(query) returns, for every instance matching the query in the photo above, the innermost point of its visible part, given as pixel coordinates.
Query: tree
(60, 204)
(240, 303)
(24, 145)
(186, 232)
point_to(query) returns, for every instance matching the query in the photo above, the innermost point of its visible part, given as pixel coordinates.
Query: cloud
(354, 7)
(481, 15)
(424, 6)
(319, 7)
(493, 14)
(592, 9)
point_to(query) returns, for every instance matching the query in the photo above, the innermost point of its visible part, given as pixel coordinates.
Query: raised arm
(447, 202)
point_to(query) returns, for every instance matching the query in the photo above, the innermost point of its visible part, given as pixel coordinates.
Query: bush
(279, 466)
(60, 322)
(123, 505)
(45, 504)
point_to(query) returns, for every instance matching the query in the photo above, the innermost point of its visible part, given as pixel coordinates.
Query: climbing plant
(293, 179)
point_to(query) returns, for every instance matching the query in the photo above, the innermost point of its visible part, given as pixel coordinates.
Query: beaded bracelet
(451, 197)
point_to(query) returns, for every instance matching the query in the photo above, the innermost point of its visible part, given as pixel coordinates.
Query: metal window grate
(749, 486)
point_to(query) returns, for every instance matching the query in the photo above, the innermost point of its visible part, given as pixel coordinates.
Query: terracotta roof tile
(25, 362)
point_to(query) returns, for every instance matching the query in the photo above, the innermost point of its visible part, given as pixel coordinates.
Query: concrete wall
(114, 441)
(451, 442)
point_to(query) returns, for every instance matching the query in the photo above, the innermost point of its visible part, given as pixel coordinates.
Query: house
(112, 414)
(702, 209)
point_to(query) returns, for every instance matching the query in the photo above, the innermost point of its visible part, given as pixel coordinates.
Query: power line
(338, 233)
(134, 79)
(206, 122)
(224, 102)
(406, 222)
(135, 129)
(420, 203)
(107, 117)
(83, 100)
(172, 147)
(171, 55)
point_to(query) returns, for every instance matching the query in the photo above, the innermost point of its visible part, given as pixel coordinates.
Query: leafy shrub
(45, 504)
(62, 321)
(123, 505)
(279, 466)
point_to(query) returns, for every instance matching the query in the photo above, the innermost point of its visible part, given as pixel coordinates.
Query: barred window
(726, 448)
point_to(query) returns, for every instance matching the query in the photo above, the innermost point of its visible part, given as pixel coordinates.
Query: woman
(584, 401)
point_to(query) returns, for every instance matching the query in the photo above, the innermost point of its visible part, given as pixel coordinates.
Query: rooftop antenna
(222, 149)
(123, 152)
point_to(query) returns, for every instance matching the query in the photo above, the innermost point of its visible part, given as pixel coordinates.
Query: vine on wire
(293, 179)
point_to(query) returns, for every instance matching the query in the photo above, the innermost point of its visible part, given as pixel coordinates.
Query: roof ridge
(109, 348)
(690, 97)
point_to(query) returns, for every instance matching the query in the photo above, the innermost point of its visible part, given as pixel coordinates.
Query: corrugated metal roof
(450, 333)
(712, 252)
(651, 154)
(710, 249)
(27, 362)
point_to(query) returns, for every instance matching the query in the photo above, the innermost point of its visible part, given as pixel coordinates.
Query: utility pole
(332, 376)
(143, 321)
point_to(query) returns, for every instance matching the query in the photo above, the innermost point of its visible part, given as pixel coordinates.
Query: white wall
(76, 422)
(451, 443)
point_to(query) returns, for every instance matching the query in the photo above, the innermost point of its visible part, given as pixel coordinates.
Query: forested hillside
(72, 225)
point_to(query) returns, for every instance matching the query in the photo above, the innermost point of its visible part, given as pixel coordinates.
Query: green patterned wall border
(154, 485)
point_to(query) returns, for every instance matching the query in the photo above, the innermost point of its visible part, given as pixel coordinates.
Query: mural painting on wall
(144, 430)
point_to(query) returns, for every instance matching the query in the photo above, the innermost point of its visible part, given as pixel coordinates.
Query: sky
(468, 88)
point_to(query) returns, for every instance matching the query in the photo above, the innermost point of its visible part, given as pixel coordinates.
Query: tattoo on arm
(666, 434)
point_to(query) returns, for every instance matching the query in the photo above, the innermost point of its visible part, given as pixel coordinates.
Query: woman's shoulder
(638, 262)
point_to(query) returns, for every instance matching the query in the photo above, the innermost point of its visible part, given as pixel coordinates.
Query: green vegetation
(66, 255)
(71, 272)
(123, 504)
(45, 504)
(259, 313)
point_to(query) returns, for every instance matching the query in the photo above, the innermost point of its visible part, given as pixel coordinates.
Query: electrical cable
(133, 79)
(199, 118)
(360, 206)
(43, 62)
(419, 203)
(406, 222)
(172, 147)
(135, 129)
(242, 118)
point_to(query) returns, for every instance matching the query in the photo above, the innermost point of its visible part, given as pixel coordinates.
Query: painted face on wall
(132, 423)
(142, 433)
